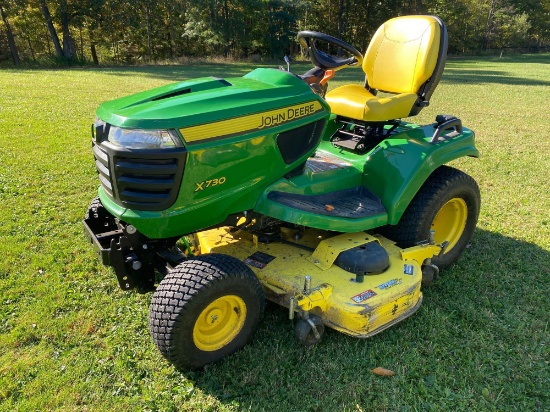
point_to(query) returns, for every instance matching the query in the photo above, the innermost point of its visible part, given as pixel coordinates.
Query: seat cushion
(356, 102)
(403, 54)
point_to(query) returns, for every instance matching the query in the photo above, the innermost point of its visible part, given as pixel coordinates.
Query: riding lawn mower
(216, 194)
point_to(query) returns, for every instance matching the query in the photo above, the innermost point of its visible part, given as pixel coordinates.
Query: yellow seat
(405, 59)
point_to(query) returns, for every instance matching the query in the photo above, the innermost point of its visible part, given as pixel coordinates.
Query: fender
(398, 167)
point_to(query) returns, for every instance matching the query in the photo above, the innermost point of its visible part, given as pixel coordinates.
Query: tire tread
(180, 287)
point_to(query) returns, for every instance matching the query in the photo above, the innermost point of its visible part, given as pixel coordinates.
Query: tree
(51, 28)
(65, 15)
(11, 38)
(127, 31)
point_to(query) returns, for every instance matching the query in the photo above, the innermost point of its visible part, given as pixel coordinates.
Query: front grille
(140, 179)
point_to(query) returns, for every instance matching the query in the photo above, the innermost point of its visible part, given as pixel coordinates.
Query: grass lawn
(71, 340)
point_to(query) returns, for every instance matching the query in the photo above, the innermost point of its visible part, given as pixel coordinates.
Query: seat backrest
(407, 55)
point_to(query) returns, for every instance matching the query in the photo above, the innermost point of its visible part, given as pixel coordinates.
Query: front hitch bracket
(133, 256)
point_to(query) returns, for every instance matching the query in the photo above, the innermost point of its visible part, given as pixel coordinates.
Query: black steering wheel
(324, 60)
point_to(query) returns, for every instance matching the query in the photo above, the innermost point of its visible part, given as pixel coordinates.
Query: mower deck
(338, 297)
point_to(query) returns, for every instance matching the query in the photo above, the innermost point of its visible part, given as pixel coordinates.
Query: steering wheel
(324, 60)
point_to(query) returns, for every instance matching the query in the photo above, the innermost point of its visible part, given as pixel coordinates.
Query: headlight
(143, 139)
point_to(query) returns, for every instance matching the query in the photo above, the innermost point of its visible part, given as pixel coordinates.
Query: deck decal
(408, 270)
(389, 284)
(259, 260)
(364, 296)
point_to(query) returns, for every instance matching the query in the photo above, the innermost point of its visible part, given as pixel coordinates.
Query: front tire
(205, 309)
(448, 203)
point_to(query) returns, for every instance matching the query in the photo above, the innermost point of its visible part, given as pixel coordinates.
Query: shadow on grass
(477, 341)
(458, 70)
(178, 73)
(480, 76)
(542, 58)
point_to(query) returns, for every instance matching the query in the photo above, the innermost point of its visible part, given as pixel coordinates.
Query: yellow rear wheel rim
(450, 222)
(219, 323)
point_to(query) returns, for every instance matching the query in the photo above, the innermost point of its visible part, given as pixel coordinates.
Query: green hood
(205, 100)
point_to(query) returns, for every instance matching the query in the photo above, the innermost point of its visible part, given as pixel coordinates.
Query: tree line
(133, 31)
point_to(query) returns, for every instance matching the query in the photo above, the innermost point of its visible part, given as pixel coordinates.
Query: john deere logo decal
(248, 124)
(285, 115)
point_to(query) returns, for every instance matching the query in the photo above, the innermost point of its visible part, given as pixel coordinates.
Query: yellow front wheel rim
(219, 323)
(450, 222)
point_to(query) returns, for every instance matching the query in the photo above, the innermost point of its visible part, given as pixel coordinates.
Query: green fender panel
(398, 167)
(393, 171)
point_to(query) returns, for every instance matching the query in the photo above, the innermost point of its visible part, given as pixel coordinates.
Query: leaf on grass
(382, 372)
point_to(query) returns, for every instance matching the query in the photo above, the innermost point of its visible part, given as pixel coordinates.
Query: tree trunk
(212, 4)
(149, 28)
(341, 22)
(94, 54)
(226, 28)
(31, 49)
(51, 28)
(11, 39)
(48, 39)
(488, 26)
(81, 44)
(69, 48)
(172, 43)
(370, 26)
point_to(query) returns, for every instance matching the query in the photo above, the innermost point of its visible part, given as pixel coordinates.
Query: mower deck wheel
(205, 309)
(430, 274)
(304, 332)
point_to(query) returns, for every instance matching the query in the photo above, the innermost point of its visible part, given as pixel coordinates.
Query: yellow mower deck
(357, 309)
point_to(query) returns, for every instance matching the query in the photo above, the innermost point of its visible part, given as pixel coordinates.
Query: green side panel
(393, 171)
(399, 166)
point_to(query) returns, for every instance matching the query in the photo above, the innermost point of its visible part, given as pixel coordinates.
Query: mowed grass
(71, 340)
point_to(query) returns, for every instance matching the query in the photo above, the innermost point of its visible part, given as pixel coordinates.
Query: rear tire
(448, 203)
(205, 309)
